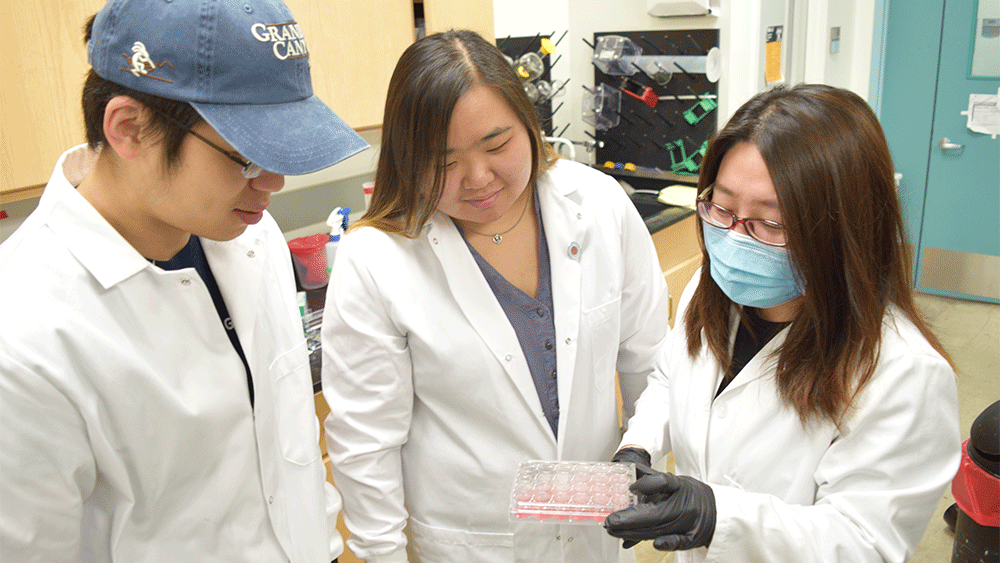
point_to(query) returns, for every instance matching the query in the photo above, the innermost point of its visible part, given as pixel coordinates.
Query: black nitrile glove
(642, 461)
(638, 456)
(677, 513)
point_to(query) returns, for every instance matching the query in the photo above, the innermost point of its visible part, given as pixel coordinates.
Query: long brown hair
(833, 174)
(430, 77)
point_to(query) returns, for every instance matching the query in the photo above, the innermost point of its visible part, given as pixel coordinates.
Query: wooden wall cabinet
(43, 62)
(353, 48)
(476, 15)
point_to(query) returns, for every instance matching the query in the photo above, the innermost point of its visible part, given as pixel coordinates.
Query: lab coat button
(569, 539)
(568, 340)
(509, 357)
(573, 250)
(185, 281)
(434, 240)
(721, 411)
(250, 254)
(270, 500)
(579, 215)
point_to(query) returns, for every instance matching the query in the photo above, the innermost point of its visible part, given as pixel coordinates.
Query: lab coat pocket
(433, 544)
(295, 412)
(602, 335)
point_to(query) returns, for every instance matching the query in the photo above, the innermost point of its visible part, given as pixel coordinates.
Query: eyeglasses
(763, 230)
(249, 169)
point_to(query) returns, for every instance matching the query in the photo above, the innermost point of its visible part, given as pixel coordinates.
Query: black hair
(98, 91)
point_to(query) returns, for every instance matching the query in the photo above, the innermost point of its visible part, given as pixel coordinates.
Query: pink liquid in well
(600, 499)
(601, 478)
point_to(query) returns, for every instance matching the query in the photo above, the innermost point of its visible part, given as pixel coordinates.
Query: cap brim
(288, 138)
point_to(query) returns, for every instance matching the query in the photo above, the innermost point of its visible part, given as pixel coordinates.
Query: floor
(970, 331)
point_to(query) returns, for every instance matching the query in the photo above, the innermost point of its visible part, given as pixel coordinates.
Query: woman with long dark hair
(811, 412)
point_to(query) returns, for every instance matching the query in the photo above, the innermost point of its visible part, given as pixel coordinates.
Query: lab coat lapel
(699, 400)
(565, 224)
(476, 300)
(761, 365)
(237, 266)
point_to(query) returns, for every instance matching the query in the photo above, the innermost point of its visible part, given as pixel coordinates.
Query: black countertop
(657, 215)
(648, 184)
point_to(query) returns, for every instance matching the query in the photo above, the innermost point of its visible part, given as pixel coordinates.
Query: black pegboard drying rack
(657, 140)
(514, 47)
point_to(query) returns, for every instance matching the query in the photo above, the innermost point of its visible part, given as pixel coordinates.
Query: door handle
(945, 144)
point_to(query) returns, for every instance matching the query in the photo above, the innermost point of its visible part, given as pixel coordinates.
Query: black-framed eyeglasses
(763, 230)
(249, 169)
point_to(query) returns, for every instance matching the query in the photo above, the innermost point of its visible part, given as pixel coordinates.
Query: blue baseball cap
(242, 64)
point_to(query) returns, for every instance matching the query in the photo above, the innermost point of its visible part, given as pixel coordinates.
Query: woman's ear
(124, 122)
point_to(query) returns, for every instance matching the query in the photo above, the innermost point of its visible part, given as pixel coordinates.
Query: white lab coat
(432, 403)
(787, 493)
(127, 433)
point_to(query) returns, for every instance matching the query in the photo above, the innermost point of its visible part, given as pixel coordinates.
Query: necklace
(498, 237)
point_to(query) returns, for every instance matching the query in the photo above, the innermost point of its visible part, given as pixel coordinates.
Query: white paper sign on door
(983, 115)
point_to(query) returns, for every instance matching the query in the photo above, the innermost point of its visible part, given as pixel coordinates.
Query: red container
(309, 258)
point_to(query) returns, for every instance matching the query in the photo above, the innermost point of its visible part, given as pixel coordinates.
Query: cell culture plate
(571, 492)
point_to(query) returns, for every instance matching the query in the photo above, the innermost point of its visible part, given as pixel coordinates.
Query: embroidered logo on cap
(286, 39)
(141, 64)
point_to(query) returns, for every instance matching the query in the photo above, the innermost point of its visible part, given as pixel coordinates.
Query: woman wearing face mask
(811, 413)
(476, 317)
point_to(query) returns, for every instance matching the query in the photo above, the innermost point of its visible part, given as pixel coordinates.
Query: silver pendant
(497, 238)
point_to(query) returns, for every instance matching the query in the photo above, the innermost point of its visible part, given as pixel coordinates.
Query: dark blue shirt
(193, 256)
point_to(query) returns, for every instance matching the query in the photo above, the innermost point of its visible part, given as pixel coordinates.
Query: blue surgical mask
(750, 272)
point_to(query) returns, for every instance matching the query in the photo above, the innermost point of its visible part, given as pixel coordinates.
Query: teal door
(951, 175)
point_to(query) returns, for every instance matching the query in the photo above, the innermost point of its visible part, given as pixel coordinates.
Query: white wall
(851, 67)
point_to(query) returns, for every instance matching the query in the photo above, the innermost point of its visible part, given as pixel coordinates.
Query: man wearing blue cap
(155, 392)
